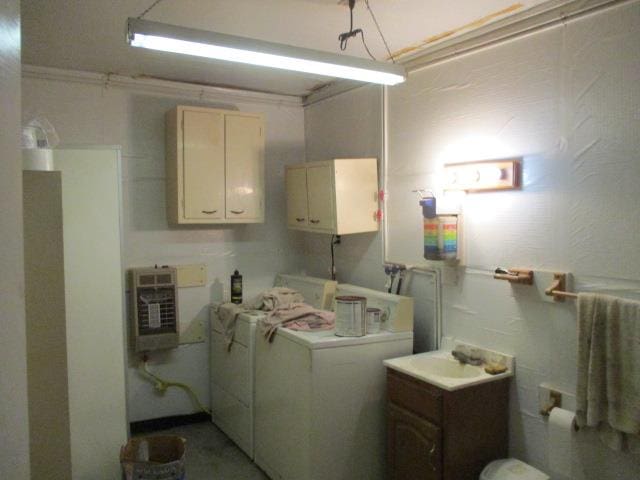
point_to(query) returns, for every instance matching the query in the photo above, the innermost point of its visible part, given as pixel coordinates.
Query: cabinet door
(203, 165)
(321, 197)
(413, 446)
(297, 207)
(244, 167)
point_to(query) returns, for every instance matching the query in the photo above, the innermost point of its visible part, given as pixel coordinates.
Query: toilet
(511, 469)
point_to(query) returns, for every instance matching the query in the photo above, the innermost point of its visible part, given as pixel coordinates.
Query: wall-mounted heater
(154, 308)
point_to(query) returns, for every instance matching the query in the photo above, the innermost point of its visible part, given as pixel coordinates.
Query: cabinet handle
(237, 212)
(314, 221)
(209, 212)
(431, 452)
(299, 219)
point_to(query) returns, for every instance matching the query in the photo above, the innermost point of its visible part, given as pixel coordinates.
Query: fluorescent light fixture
(201, 43)
(483, 175)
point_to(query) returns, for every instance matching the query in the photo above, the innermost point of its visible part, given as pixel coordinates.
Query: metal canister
(351, 320)
(373, 320)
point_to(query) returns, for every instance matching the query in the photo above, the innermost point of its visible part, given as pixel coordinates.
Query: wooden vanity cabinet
(435, 434)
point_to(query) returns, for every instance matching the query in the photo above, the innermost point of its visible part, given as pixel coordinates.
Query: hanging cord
(149, 9)
(162, 385)
(384, 40)
(344, 37)
(335, 240)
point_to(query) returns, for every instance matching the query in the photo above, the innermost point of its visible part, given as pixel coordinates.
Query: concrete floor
(211, 455)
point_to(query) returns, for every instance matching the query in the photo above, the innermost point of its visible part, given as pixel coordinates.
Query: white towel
(228, 314)
(608, 386)
(278, 297)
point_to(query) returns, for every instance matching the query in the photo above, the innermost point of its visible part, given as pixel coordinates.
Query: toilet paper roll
(561, 436)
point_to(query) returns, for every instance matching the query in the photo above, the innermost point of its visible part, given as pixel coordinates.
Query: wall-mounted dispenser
(440, 231)
(154, 302)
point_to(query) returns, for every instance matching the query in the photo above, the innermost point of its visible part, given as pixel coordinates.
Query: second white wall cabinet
(338, 196)
(215, 166)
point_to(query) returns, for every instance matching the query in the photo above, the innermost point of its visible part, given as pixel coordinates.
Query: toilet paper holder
(555, 400)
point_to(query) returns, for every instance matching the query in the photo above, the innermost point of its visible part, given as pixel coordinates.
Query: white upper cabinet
(215, 166)
(337, 196)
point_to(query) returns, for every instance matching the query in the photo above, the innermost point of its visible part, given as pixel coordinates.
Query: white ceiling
(89, 35)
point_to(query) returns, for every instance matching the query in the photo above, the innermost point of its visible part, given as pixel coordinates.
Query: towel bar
(557, 288)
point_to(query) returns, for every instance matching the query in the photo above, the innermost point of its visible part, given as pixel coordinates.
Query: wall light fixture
(483, 175)
(202, 43)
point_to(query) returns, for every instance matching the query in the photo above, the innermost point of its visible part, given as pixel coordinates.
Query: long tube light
(201, 43)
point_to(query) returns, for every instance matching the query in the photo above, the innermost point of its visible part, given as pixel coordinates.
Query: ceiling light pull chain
(384, 40)
(149, 9)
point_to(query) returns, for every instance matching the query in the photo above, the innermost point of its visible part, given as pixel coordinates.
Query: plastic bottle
(236, 287)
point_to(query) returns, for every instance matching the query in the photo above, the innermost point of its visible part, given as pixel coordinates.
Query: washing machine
(232, 369)
(320, 399)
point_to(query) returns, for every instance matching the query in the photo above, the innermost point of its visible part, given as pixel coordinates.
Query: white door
(203, 164)
(244, 138)
(321, 197)
(297, 207)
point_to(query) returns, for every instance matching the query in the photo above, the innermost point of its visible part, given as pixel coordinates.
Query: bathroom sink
(444, 367)
(441, 369)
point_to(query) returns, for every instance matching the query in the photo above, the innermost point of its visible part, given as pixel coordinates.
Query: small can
(373, 320)
(351, 316)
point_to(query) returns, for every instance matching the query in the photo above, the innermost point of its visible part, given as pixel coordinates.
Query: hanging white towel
(608, 384)
(228, 314)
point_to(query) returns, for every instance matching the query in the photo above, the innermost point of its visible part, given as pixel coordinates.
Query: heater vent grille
(155, 309)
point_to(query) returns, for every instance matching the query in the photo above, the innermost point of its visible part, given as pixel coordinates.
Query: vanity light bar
(202, 43)
(484, 175)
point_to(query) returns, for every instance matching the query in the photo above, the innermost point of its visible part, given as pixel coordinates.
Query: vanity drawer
(416, 396)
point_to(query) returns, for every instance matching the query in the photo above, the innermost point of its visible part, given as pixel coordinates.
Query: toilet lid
(511, 469)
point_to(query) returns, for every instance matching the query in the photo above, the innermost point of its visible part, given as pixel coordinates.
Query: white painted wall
(87, 113)
(349, 125)
(566, 99)
(14, 427)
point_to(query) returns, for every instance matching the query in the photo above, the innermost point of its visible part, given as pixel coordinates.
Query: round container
(37, 159)
(351, 316)
(373, 320)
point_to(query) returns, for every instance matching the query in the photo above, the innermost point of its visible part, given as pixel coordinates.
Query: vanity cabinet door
(203, 165)
(321, 197)
(414, 446)
(297, 207)
(244, 167)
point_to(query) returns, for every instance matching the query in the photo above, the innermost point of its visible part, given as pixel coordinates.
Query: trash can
(158, 457)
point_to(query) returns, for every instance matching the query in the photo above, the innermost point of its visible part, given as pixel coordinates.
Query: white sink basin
(441, 369)
(444, 367)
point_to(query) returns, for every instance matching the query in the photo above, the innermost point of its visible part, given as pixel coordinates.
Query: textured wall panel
(567, 101)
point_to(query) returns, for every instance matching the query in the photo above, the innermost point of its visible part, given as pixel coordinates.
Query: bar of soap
(494, 368)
